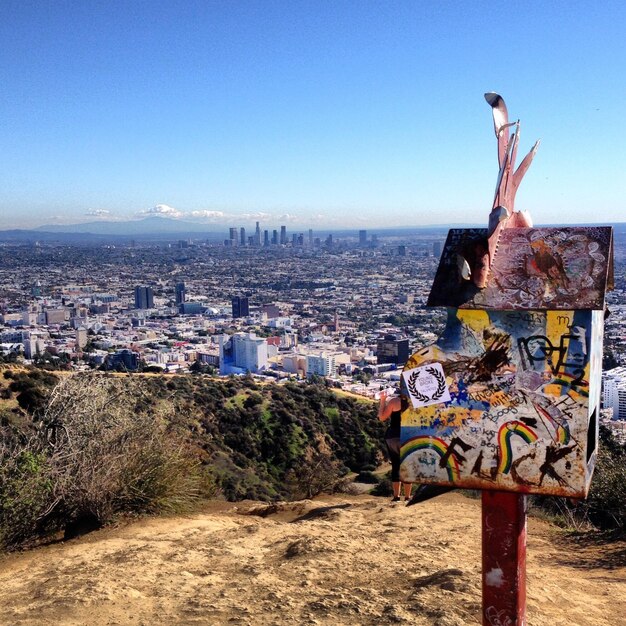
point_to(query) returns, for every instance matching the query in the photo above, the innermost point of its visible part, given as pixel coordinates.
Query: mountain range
(162, 229)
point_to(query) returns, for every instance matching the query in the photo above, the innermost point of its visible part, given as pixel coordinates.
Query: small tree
(317, 472)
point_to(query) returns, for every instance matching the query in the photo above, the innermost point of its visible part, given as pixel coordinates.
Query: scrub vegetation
(81, 450)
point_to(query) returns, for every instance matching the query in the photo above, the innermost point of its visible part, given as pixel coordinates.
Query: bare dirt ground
(336, 560)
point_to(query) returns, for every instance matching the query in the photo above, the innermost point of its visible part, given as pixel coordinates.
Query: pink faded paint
(502, 213)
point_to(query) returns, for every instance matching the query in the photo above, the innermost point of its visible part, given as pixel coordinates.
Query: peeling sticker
(495, 578)
(426, 385)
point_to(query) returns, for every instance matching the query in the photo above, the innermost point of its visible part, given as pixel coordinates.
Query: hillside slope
(335, 560)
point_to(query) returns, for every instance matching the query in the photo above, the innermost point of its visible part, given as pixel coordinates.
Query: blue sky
(355, 114)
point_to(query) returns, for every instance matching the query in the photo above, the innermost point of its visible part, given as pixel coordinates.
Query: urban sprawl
(346, 307)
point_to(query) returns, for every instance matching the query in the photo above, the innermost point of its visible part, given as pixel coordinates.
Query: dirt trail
(337, 560)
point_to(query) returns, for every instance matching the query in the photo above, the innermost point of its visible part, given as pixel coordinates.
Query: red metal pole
(504, 558)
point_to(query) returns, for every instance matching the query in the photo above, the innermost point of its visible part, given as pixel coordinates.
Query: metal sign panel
(524, 389)
(531, 269)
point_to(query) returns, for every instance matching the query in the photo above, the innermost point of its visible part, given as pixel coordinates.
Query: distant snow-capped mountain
(146, 226)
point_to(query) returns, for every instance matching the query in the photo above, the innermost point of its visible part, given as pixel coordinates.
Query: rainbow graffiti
(505, 434)
(435, 444)
(561, 430)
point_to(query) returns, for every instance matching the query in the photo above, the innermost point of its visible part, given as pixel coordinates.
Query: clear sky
(335, 113)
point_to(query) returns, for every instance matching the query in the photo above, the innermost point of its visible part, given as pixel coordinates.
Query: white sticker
(426, 385)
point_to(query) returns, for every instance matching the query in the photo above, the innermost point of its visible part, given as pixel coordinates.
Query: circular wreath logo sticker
(426, 385)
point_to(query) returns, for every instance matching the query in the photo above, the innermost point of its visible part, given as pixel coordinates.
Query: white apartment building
(242, 352)
(614, 391)
(279, 322)
(322, 364)
(33, 344)
(249, 351)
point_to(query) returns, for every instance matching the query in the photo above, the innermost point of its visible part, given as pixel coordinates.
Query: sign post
(507, 399)
(504, 558)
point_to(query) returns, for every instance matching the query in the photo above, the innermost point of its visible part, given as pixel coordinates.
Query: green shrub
(318, 472)
(367, 477)
(384, 488)
(108, 457)
(95, 456)
(605, 506)
(25, 494)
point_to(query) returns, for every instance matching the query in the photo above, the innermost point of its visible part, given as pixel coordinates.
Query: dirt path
(337, 560)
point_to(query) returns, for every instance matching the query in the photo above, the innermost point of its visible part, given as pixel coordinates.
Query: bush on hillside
(31, 388)
(94, 456)
(108, 444)
(25, 490)
(319, 472)
(606, 505)
(367, 477)
(384, 488)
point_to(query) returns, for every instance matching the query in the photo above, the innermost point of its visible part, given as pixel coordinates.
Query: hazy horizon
(341, 115)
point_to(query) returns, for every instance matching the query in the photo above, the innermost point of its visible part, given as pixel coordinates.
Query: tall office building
(240, 306)
(266, 238)
(274, 237)
(144, 297)
(233, 236)
(242, 236)
(310, 236)
(437, 249)
(392, 349)
(81, 337)
(257, 235)
(180, 293)
(362, 237)
(283, 235)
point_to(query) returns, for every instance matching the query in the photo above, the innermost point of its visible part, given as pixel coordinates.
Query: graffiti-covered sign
(521, 372)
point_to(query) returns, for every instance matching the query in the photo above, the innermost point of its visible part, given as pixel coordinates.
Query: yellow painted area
(423, 416)
(427, 355)
(557, 324)
(474, 319)
(552, 390)
(500, 398)
(453, 416)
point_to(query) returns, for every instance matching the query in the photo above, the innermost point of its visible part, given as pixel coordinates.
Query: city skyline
(336, 116)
